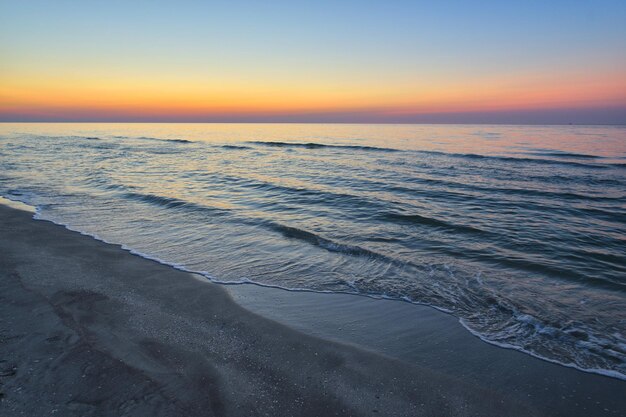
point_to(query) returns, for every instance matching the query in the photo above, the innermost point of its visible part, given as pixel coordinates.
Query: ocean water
(518, 231)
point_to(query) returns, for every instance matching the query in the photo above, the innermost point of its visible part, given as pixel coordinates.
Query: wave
(569, 179)
(62, 137)
(161, 139)
(166, 140)
(330, 245)
(116, 187)
(555, 195)
(172, 203)
(458, 192)
(175, 140)
(518, 160)
(557, 154)
(236, 147)
(542, 331)
(314, 145)
(429, 221)
(309, 195)
(513, 260)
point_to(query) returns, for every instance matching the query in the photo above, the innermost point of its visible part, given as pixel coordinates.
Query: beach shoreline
(90, 329)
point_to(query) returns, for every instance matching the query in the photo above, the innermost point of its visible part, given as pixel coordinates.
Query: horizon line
(308, 122)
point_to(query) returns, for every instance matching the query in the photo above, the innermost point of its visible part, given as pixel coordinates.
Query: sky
(317, 61)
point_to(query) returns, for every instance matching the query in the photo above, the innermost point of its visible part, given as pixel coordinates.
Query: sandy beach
(88, 329)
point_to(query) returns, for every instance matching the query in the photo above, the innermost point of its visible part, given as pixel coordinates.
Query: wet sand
(88, 329)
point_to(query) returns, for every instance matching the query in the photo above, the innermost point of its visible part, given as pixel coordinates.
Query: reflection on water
(519, 231)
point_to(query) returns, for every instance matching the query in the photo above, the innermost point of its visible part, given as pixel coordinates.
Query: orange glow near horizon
(195, 98)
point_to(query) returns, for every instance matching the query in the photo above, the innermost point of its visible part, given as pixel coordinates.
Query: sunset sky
(344, 61)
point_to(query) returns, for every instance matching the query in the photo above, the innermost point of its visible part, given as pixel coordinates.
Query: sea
(518, 231)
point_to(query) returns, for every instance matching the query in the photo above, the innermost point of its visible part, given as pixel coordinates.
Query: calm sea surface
(518, 231)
